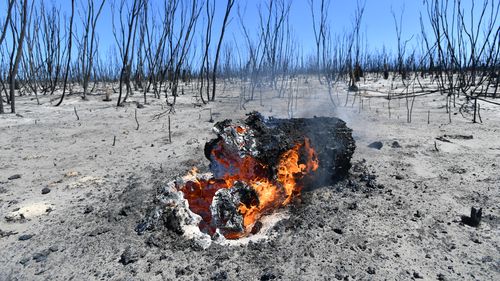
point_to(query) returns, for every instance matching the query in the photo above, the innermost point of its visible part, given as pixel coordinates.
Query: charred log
(268, 139)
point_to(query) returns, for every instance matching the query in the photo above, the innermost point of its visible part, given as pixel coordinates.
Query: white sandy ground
(407, 230)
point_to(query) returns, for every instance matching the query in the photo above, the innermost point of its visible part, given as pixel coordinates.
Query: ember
(246, 189)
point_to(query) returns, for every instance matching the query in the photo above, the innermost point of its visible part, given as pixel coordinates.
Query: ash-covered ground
(73, 200)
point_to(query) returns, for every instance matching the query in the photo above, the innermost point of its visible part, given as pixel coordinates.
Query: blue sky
(377, 25)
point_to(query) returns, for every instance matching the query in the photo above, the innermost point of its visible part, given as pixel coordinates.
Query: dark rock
(45, 190)
(129, 256)
(417, 275)
(14, 177)
(41, 256)
(338, 231)
(88, 209)
(352, 206)
(370, 270)
(376, 145)
(125, 211)
(395, 144)
(399, 177)
(180, 272)
(267, 276)
(441, 277)
(474, 219)
(476, 240)
(25, 237)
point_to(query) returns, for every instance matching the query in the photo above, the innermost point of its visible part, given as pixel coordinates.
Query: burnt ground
(406, 225)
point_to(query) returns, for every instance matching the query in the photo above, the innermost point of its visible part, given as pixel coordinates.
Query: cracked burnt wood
(329, 136)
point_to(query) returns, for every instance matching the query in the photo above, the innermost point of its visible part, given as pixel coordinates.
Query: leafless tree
(18, 40)
(205, 63)
(320, 31)
(229, 6)
(401, 48)
(10, 4)
(68, 60)
(125, 40)
(467, 48)
(88, 41)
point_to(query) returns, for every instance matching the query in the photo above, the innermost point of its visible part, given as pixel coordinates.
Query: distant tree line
(156, 52)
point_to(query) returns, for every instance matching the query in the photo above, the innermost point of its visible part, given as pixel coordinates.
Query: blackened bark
(329, 136)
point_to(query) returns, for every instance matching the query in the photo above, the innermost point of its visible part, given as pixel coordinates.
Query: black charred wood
(330, 137)
(475, 217)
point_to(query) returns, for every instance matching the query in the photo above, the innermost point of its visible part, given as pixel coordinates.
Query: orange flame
(293, 165)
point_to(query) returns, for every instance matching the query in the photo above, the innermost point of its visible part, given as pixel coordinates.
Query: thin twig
(136, 121)
(76, 113)
(169, 132)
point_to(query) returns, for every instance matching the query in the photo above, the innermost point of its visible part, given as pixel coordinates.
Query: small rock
(395, 144)
(267, 276)
(88, 209)
(128, 256)
(376, 145)
(399, 177)
(338, 231)
(41, 256)
(370, 270)
(125, 211)
(25, 237)
(441, 277)
(24, 261)
(45, 190)
(54, 248)
(71, 174)
(476, 240)
(14, 177)
(417, 275)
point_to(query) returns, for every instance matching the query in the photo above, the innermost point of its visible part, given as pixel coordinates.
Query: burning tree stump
(267, 140)
(257, 166)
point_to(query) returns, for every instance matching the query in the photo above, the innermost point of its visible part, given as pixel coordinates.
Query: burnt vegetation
(157, 53)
